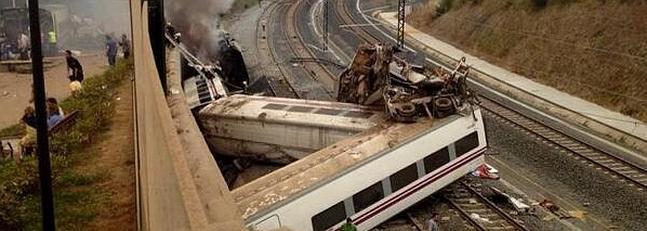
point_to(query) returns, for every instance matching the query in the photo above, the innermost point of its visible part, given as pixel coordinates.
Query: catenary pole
(44, 164)
(325, 23)
(401, 21)
(156, 29)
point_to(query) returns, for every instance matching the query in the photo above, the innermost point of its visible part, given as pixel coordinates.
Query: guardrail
(177, 189)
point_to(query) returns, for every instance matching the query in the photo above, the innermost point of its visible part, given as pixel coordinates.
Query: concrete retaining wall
(178, 189)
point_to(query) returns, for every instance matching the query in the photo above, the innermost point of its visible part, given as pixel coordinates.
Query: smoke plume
(198, 21)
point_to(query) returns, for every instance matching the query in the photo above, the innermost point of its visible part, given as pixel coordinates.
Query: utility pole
(401, 19)
(44, 164)
(325, 24)
(156, 30)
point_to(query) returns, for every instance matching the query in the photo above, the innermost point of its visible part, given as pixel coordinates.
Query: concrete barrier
(177, 188)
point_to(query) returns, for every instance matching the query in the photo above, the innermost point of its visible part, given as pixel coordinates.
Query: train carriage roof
(294, 111)
(318, 168)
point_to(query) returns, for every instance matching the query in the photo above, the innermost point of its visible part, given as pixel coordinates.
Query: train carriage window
(326, 111)
(329, 217)
(358, 114)
(300, 109)
(404, 177)
(368, 196)
(274, 106)
(466, 144)
(436, 160)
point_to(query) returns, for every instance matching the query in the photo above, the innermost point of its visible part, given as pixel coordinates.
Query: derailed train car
(369, 177)
(367, 158)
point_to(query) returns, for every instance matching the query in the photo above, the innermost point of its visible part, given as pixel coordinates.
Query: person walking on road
(111, 50)
(74, 67)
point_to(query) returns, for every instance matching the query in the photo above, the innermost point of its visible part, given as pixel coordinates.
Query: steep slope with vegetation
(594, 49)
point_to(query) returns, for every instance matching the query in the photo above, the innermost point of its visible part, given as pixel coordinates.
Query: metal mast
(156, 28)
(42, 140)
(325, 24)
(401, 17)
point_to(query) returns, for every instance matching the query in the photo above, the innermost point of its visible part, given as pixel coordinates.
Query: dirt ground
(116, 157)
(595, 50)
(15, 89)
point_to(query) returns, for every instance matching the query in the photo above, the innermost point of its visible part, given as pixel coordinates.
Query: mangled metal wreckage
(282, 130)
(377, 77)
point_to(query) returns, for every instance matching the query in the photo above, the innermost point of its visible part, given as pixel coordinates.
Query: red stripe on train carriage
(417, 187)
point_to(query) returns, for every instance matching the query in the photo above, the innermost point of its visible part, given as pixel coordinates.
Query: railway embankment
(604, 122)
(591, 49)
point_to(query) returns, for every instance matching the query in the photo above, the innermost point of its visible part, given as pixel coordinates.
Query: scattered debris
(577, 214)
(478, 218)
(550, 206)
(486, 172)
(516, 203)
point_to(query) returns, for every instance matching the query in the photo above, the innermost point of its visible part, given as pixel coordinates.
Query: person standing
(433, 225)
(349, 226)
(125, 46)
(23, 46)
(74, 67)
(51, 42)
(111, 50)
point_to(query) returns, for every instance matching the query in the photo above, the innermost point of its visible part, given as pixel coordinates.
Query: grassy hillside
(594, 49)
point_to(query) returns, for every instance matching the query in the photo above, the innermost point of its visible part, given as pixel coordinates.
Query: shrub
(444, 6)
(20, 179)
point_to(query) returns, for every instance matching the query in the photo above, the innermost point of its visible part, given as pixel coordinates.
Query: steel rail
(636, 174)
(347, 18)
(303, 50)
(309, 53)
(498, 210)
(465, 215)
(505, 217)
(275, 58)
(606, 160)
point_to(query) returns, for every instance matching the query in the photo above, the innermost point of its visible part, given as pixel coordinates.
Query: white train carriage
(281, 130)
(369, 177)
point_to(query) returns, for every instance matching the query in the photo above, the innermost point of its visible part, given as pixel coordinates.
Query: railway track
(298, 47)
(633, 175)
(470, 203)
(277, 88)
(346, 17)
(629, 173)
